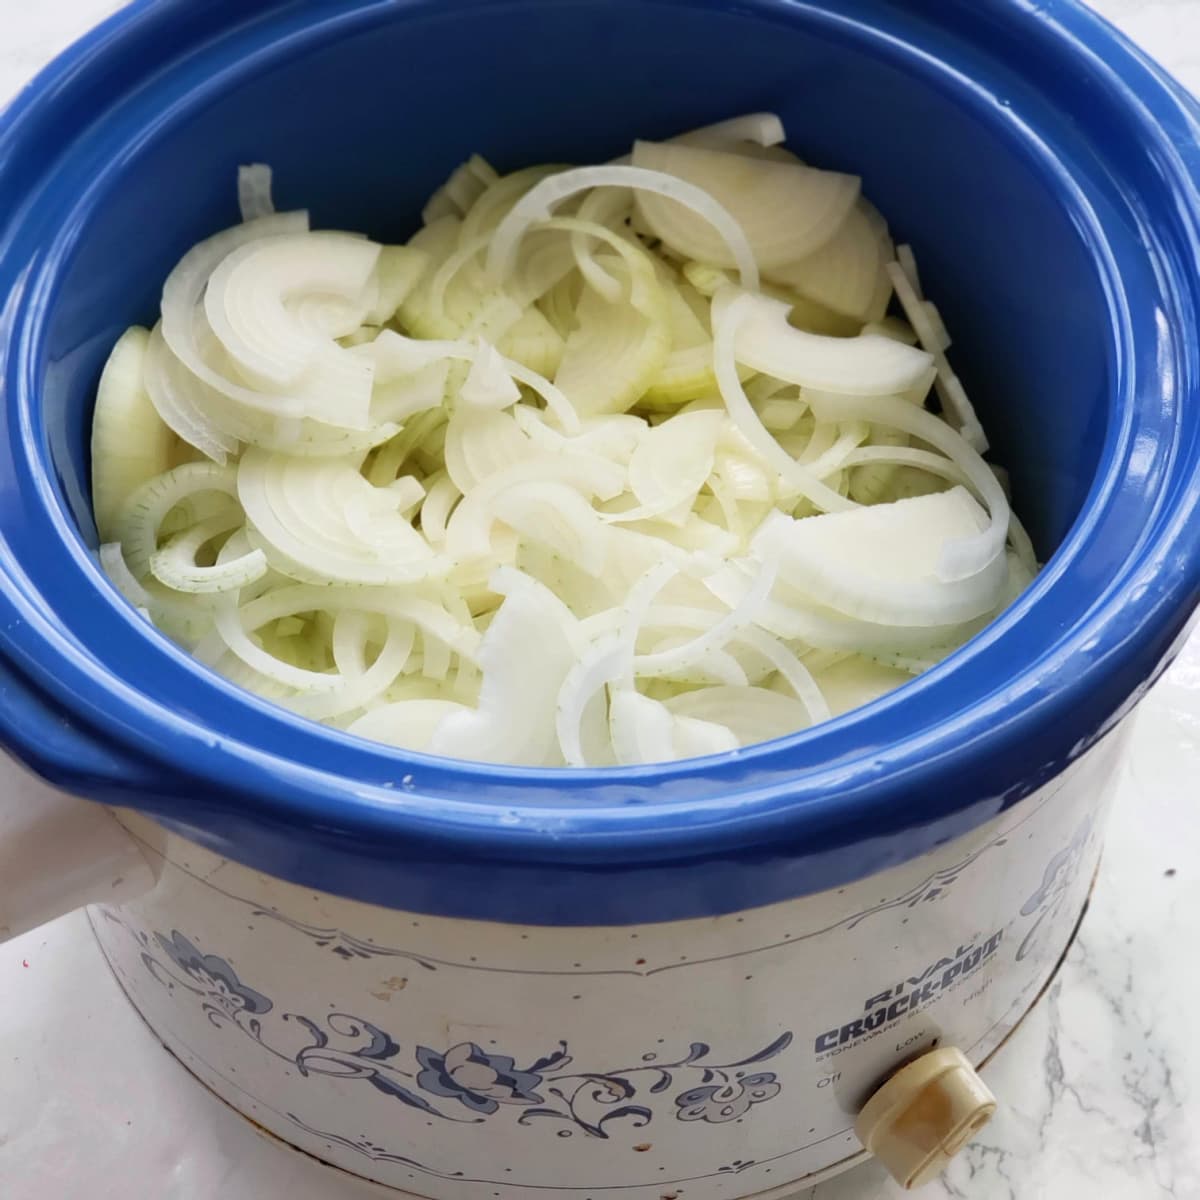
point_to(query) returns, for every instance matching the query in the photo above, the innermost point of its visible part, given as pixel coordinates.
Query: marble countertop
(1100, 1086)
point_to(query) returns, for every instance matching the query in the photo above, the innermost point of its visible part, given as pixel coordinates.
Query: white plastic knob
(924, 1115)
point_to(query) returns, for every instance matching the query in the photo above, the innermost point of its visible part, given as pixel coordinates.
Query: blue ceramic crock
(1046, 173)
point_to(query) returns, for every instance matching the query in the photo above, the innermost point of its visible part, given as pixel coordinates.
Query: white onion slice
(671, 464)
(398, 269)
(880, 563)
(320, 520)
(439, 502)
(488, 384)
(407, 724)
(727, 328)
(143, 511)
(174, 565)
(361, 688)
(480, 442)
(557, 516)
(581, 723)
(646, 731)
(525, 657)
(933, 337)
(430, 618)
(643, 730)
(742, 614)
(607, 207)
(611, 358)
(847, 274)
(467, 534)
(752, 714)
(969, 555)
(759, 128)
(129, 444)
(254, 191)
(179, 399)
(184, 289)
(862, 366)
(538, 203)
(255, 303)
(399, 399)
(785, 210)
(398, 355)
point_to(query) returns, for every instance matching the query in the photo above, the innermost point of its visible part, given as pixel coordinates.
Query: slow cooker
(469, 982)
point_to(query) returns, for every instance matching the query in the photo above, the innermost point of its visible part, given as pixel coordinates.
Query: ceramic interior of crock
(361, 130)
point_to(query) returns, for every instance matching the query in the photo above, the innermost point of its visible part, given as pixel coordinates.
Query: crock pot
(469, 981)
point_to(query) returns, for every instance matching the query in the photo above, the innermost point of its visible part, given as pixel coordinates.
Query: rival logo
(911, 994)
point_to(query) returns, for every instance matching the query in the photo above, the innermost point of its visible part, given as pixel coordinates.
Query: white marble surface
(1100, 1086)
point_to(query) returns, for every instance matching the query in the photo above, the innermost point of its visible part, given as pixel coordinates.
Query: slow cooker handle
(57, 852)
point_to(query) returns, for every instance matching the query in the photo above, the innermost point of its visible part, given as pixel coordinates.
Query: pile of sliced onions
(608, 465)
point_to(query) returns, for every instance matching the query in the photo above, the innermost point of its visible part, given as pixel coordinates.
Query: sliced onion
(614, 436)
(969, 555)
(488, 384)
(362, 687)
(182, 402)
(320, 521)
(140, 517)
(468, 529)
(184, 289)
(405, 397)
(606, 207)
(129, 444)
(671, 464)
(751, 714)
(880, 563)
(398, 269)
(259, 303)
(539, 202)
(430, 618)
(847, 274)
(862, 366)
(456, 538)
(643, 730)
(784, 210)
(666, 661)
(611, 359)
(727, 328)
(581, 723)
(481, 442)
(557, 516)
(760, 128)
(488, 213)
(525, 657)
(397, 355)
(175, 564)
(646, 731)
(440, 500)
(933, 337)
(407, 724)
(694, 738)
(457, 194)
(254, 191)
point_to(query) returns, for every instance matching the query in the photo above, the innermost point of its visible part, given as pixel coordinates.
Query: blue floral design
(477, 1079)
(718, 1103)
(1057, 878)
(594, 1102)
(214, 977)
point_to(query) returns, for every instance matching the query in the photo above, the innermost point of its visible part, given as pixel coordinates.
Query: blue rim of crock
(820, 788)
